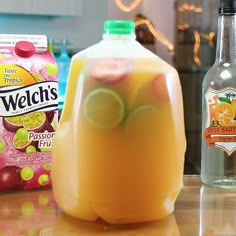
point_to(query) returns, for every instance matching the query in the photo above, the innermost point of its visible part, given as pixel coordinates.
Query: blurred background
(181, 32)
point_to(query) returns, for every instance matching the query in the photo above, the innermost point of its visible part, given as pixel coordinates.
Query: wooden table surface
(199, 210)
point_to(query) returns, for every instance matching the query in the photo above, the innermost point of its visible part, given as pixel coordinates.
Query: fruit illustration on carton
(28, 111)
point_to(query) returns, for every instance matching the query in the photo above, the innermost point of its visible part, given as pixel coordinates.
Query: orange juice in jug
(118, 152)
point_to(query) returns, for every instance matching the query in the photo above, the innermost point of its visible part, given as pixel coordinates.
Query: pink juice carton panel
(28, 111)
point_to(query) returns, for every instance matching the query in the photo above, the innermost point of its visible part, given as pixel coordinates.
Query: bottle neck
(64, 49)
(51, 46)
(119, 37)
(226, 39)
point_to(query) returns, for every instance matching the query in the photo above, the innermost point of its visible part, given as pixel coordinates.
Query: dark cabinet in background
(195, 36)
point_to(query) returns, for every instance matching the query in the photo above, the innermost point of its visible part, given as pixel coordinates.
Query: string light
(189, 7)
(209, 37)
(158, 35)
(129, 8)
(183, 26)
(161, 38)
(196, 48)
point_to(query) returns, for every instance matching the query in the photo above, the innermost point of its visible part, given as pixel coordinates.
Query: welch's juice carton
(28, 111)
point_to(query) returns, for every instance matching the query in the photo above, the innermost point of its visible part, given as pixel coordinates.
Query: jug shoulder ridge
(104, 49)
(133, 51)
(85, 52)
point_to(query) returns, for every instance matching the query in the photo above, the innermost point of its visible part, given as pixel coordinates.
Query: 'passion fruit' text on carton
(28, 111)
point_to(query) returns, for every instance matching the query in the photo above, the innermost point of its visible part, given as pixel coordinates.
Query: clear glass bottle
(217, 215)
(51, 46)
(218, 163)
(63, 61)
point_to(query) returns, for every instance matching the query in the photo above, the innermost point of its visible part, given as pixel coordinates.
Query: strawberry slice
(110, 69)
(160, 88)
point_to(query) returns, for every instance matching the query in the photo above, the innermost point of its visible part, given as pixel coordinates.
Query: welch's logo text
(36, 97)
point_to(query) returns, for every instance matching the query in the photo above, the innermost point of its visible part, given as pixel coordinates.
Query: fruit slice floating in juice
(160, 89)
(110, 69)
(142, 120)
(103, 108)
(149, 88)
(140, 91)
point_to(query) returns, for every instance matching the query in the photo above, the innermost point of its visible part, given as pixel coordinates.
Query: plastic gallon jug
(118, 152)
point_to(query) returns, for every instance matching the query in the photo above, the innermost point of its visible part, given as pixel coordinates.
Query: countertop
(199, 210)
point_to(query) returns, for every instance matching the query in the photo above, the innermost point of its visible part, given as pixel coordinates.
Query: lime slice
(103, 108)
(142, 121)
(141, 92)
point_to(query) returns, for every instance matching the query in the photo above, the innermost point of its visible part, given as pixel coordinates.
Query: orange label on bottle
(221, 119)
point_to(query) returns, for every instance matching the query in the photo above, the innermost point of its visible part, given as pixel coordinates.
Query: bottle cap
(24, 49)
(227, 7)
(119, 27)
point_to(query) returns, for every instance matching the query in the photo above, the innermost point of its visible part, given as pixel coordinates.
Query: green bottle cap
(119, 27)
